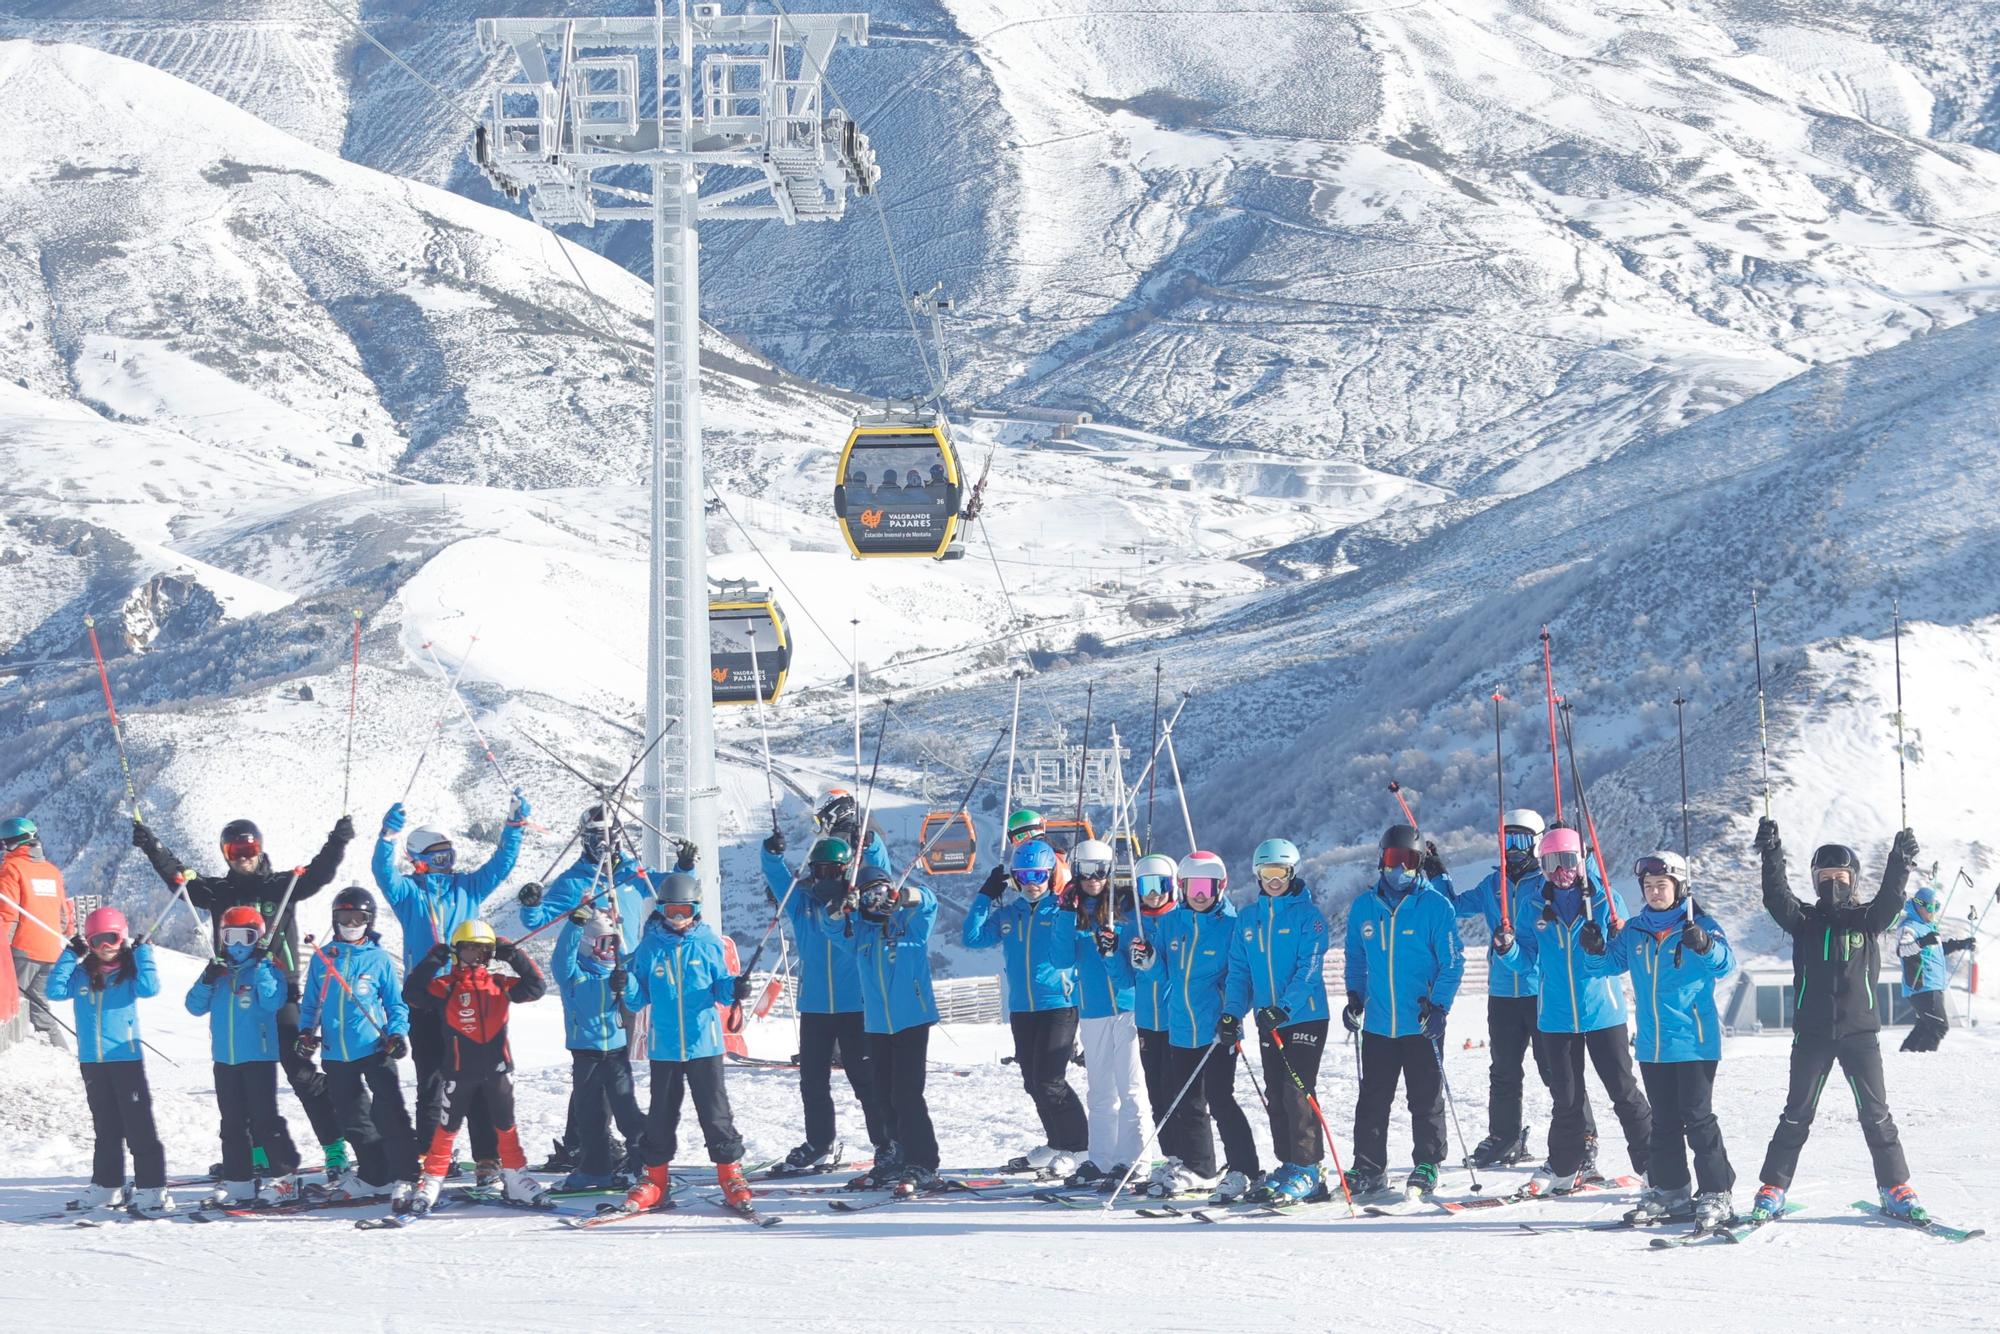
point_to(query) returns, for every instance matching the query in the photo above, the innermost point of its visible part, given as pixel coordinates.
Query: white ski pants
(1117, 1099)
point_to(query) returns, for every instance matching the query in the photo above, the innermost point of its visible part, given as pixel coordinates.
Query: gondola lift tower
(625, 120)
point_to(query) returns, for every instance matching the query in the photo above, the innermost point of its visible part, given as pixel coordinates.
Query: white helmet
(1203, 866)
(1523, 818)
(1156, 874)
(1091, 857)
(600, 938)
(1664, 862)
(429, 849)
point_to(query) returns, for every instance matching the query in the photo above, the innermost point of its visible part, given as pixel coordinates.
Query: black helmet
(838, 809)
(354, 899)
(242, 832)
(1835, 857)
(872, 874)
(874, 888)
(1403, 836)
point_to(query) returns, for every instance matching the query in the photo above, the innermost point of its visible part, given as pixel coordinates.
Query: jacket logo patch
(1368, 930)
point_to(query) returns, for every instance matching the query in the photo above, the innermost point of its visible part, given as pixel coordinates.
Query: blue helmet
(1277, 852)
(1033, 863)
(1927, 899)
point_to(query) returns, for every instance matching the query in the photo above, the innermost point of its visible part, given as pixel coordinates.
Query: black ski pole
(1153, 779)
(1902, 753)
(1451, 1105)
(1278, 1040)
(1763, 728)
(1154, 1134)
(1687, 846)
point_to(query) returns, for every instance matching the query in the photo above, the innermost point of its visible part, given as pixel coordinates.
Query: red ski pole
(1279, 1040)
(1408, 815)
(111, 708)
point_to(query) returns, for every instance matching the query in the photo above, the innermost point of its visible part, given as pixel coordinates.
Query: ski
(1273, 1209)
(745, 1211)
(122, 1217)
(1942, 1231)
(616, 1213)
(301, 1206)
(1527, 1194)
(494, 1200)
(381, 1221)
(948, 1187)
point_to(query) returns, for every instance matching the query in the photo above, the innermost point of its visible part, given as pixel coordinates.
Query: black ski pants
(1295, 1133)
(1510, 1035)
(247, 1097)
(374, 1119)
(121, 1114)
(306, 1079)
(672, 1081)
(1682, 1097)
(1044, 1040)
(1187, 1135)
(1153, 1062)
(899, 1062)
(822, 1037)
(1609, 1051)
(600, 1092)
(1932, 1022)
(1414, 1059)
(1860, 1058)
(429, 1047)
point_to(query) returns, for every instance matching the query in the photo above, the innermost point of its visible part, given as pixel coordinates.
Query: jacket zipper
(680, 998)
(1569, 965)
(1269, 942)
(1028, 955)
(1658, 1036)
(1391, 933)
(1187, 973)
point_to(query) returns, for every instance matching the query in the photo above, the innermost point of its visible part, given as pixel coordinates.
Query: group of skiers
(1158, 982)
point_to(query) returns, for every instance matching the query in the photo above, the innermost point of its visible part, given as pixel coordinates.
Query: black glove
(1696, 938)
(1906, 847)
(1107, 940)
(619, 977)
(685, 861)
(1434, 1017)
(996, 883)
(142, 837)
(216, 970)
(439, 952)
(1962, 943)
(1591, 938)
(1350, 1015)
(1274, 1016)
(79, 946)
(505, 950)
(1141, 954)
(1228, 1030)
(398, 1047)
(343, 829)
(1503, 941)
(741, 989)
(528, 895)
(307, 1045)
(1434, 867)
(1767, 835)
(775, 844)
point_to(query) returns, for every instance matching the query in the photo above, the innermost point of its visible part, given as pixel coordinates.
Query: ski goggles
(827, 873)
(1520, 840)
(1092, 870)
(677, 912)
(473, 953)
(107, 940)
(239, 935)
(1654, 866)
(1023, 834)
(438, 859)
(1155, 887)
(1031, 875)
(1402, 859)
(1201, 887)
(1274, 873)
(242, 850)
(1561, 861)
(874, 900)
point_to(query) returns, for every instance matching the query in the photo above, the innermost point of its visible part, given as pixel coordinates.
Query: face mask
(350, 932)
(239, 953)
(1401, 879)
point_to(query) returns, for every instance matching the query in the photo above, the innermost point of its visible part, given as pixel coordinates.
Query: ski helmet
(19, 832)
(1091, 860)
(838, 808)
(874, 887)
(1925, 901)
(476, 938)
(599, 938)
(1276, 859)
(1024, 824)
(1827, 859)
(1155, 878)
(598, 831)
(106, 925)
(429, 851)
(1665, 863)
(241, 840)
(241, 927)
(1202, 874)
(353, 913)
(1523, 819)
(680, 890)
(1033, 867)
(1560, 852)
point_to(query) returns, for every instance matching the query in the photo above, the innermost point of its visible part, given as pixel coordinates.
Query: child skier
(106, 973)
(351, 992)
(1117, 1111)
(1835, 957)
(893, 948)
(1037, 936)
(1925, 970)
(1404, 961)
(1676, 954)
(596, 989)
(1511, 1003)
(681, 974)
(1274, 967)
(469, 1004)
(1578, 1016)
(241, 993)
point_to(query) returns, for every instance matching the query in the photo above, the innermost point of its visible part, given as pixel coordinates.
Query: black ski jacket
(1836, 951)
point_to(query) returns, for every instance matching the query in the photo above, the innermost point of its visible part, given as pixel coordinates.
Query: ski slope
(993, 1265)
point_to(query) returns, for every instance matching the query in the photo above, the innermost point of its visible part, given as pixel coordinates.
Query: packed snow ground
(1007, 1265)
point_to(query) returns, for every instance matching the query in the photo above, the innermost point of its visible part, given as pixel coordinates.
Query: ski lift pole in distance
(1153, 783)
(1500, 790)
(1151, 770)
(353, 707)
(1590, 825)
(111, 709)
(444, 707)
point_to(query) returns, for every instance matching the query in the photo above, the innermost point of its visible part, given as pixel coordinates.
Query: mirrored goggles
(1202, 887)
(1407, 859)
(106, 940)
(1092, 870)
(1646, 866)
(1031, 875)
(474, 953)
(350, 917)
(1561, 861)
(239, 935)
(1274, 873)
(677, 912)
(1155, 887)
(1520, 840)
(243, 850)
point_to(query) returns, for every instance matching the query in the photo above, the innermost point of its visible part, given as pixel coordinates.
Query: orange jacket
(32, 887)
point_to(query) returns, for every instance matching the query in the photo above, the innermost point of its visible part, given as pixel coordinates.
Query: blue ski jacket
(1192, 948)
(1546, 923)
(683, 977)
(352, 1027)
(893, 962)
(1483, 900)
(1674, 987)
(1401, 951)
(434, 904)
(1925, 967)
(631, 893)
(591, 1017)
(242, 1008)
(1039, 941)
(829, 977)
(1103, 990)
(107, 1020)
(1277, 957)
(1149, 986)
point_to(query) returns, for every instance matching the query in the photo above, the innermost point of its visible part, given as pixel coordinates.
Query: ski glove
(1350, 1017)
(1591, 939)
(398, 1047)
(505, 950)
(996, 883)
(439, 952)
(619, 977)
(579, 915)
(1962, 943)
(1141, 953)
(1274, 1016)
(1503, 942)
(685, 861)
(142, 838)
(1696, 938)
(392, 821)
(343, 829)
(519, 813)
(1906, 847)
(1434, 867)
(741, 989)
(1228, 1030)
(1107, 941)
(79, 946)
(1434, 1017)
(307, 1045)
(775, 844)
(216, 970)
(1767, 835)
(529, 895)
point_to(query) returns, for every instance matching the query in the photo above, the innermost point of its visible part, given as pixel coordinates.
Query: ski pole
(333, 972)
(1174, 759)
(56, 1019)
(477, 735)
(180, 893)
(1278, 1040)
(1437, 1050)
(1549, 689)
(868, 798)
(764, 731)
(1500, 785)
(1687, 846)
(444, 707)
(963, 802)
(1902, 767)
(1083, 763)
(117, 730)
(854, 677)
(1151, 772)
(1007, 792)
(271, 927)
(1583, 804)
(612, 805)
(1154, 781)
(1256, 1085)
(353, 705)
(1408, 815)
(1763, 731)
(1154, 1134)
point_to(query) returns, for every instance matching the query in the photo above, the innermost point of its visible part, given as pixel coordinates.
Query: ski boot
(1713, 1209)
(580, 1181)
(400, 1196)
(807, 1159)
(735, 1190)
(561, 1159)
(154, 1202)
(631, 1167)
(918, 1181)
(1660, 1204)
(1548, 1181)
(94, 1196)
(349, 1186)
(1046, 1163)
(485, 1173)
(886, 1172)
(1233, 1187)
(649, 1192)
(1769, 1203)
(426, 1194)
(337, 1160)
(518, 1186)
(282, 1189)
(1088, 1176)
(1421, 1183)
(1173, 1179)
(1292, 1184)
(1361, 1181)
(1901, 1202)
(233, 1195)
(1587, 1169)
(1494, 1151)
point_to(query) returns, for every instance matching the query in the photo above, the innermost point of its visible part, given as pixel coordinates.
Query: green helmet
(1024, 824)
(830, 852)
(17, 831)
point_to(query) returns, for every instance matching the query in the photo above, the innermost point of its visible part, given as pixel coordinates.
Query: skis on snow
(1942, 1231)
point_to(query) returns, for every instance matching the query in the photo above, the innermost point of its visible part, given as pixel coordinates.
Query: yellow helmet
(474, 932)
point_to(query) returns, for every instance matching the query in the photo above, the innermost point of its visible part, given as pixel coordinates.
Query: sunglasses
(246, 850)
(239, 935)
(1408, 859)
